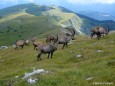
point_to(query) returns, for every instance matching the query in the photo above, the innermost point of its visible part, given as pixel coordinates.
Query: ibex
(65, 38)
(98, 31)
(21, 43)
(46, 49)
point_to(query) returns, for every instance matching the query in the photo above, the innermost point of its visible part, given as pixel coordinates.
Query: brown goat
(46, 49)
(66, 37)
(50, 39)
(21, 43)
(36, 44)
(98, 31)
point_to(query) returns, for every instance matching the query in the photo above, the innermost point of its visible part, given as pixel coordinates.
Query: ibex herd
(52, 41)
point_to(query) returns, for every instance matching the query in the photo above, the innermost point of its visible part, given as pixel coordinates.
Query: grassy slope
(31, 25)
(64, 19)
(66, 69)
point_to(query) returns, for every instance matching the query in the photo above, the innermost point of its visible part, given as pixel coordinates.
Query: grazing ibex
(21, 43)
(50, 39)
(98, 31)
(36, 44)
(46, 49)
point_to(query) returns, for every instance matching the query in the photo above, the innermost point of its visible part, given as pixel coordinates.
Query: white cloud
(3, 2)
(29, 0)
(91, 1)
(9, 0)
(60, 1)
(16, 0)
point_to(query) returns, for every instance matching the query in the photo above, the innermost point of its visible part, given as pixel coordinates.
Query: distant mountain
(25, 20)
(98, 15)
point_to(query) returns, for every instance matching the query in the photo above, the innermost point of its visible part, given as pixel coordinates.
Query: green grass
(65, 69)
(31, 25)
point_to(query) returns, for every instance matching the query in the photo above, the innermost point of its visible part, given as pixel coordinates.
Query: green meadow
(95, 67)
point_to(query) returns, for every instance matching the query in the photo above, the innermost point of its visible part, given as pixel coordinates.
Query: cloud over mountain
(60, 1)
(105, 6)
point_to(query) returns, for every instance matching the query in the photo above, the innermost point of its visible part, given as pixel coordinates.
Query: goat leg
(39, 57)
(103, 34)
(92, 34)
(66, 44)
(48, 55)
(35, 47)
(22, 46)
(51, 54)
(63, 46)
(98, 37)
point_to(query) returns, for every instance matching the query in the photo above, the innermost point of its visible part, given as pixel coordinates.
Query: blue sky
(106, 6)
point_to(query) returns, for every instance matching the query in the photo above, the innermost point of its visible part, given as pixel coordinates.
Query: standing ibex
(98, 31)
(65, 38)
(46, 49)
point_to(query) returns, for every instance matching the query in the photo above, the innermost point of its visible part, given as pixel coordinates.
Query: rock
(71, 51)
(32, 73)
(90, 78)
(95, 43)
(32, 81)
(16, 76)
(14, 46)
(26, 67)
(33, 68)
(3, 47)
(99, 51)
(79, 56)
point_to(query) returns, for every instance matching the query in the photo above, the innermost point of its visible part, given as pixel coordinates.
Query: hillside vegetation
(64, 19)
(25, 20)
(22, 25)
(65, 69)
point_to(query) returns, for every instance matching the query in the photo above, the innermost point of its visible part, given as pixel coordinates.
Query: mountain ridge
(39, 19)
(98, 15)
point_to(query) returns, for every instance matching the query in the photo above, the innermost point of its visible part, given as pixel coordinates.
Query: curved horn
(56, 39)
(72, 30)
